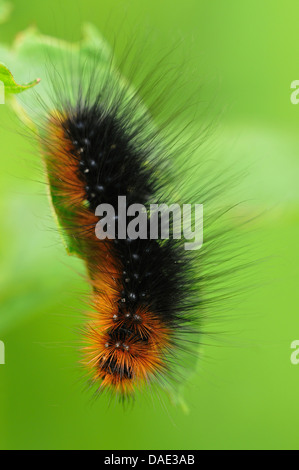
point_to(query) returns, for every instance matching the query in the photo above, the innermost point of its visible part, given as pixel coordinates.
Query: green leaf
(10, 84)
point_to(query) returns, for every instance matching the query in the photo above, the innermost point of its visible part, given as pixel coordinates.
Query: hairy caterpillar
(149, 295)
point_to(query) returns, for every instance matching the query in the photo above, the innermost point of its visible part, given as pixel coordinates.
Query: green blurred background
(245, 393)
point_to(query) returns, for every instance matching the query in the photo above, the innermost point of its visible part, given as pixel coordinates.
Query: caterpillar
(100, 142)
